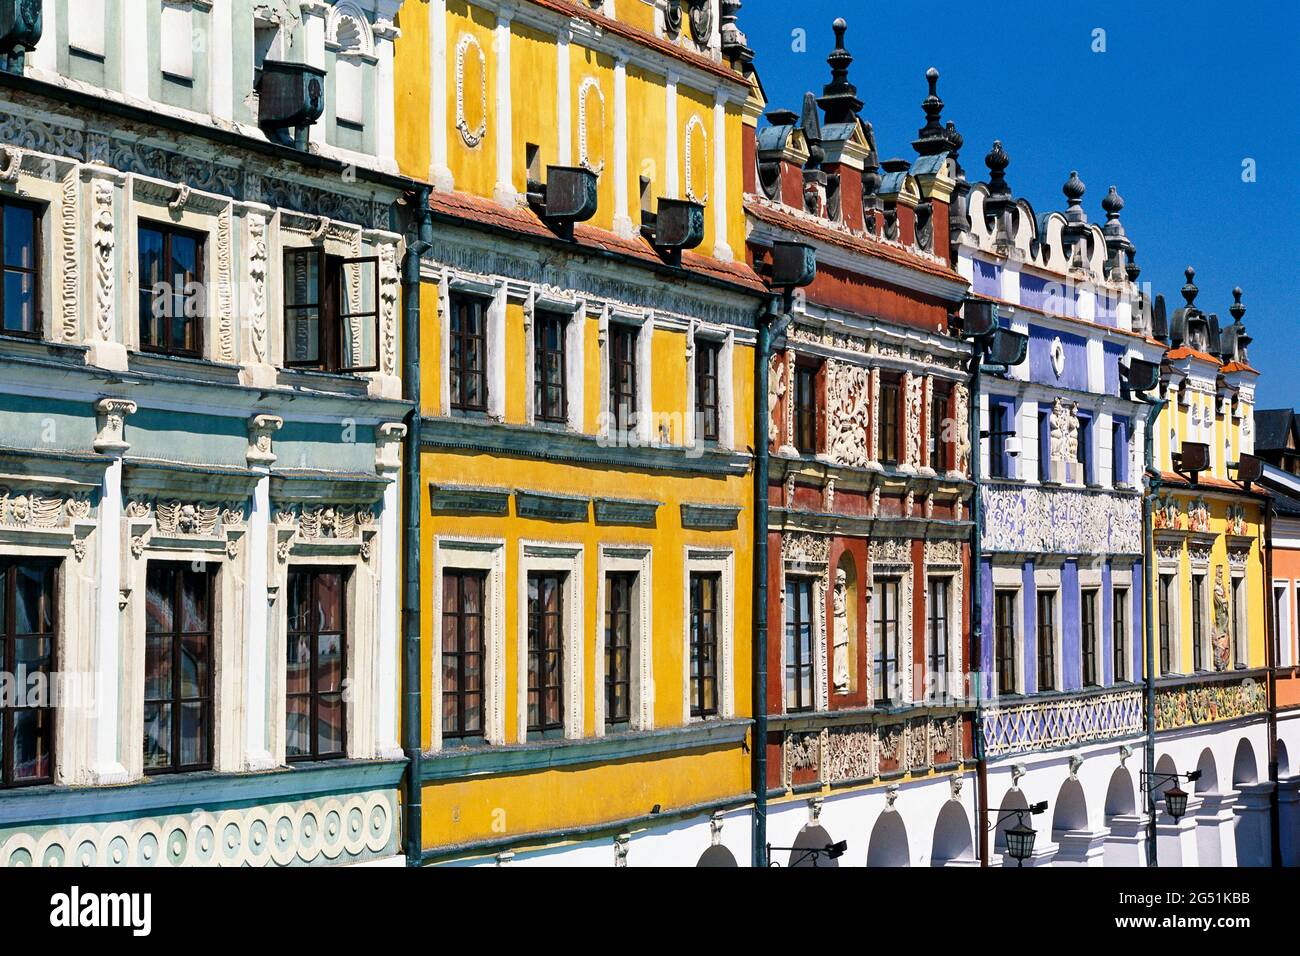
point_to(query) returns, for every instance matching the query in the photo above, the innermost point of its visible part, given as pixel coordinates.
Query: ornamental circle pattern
(318, 831)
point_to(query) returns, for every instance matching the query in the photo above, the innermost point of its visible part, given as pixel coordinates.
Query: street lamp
(1020, 838)
(832, 851)
(1175, 796)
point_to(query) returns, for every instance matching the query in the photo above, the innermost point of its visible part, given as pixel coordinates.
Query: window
(999, 416)
(1088, 636)
(798, 644)
(938, 634)
(704, 644)
(1119, 452)
(1198, 622)
(889, 421)
(331, 311)
(1004, 640)
(177, 668)
(20, 292)
(462, 654)
(938, 444)
(1046, 640)
(171, 290)
(550, 400)
(622, 377)
(619, 588)
(468, 354)
(805, 409)
(1238, 638)
(1085, 449)
(545, 653)
(27, 634)
(316, 644)
(1044, 446)
(707, 395)
(1119, 634)
(885, 663)
(1165, 587)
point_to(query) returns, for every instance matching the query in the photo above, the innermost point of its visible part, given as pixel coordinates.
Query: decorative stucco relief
(1061, 521)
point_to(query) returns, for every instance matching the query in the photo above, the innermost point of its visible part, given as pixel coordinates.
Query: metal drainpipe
(1148, 545)
(1271, 657)
(762, 348)
(411, 506)
(977, 607)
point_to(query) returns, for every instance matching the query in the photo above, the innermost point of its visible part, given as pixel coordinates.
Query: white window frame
(1239, 606)
(726, 387)
(1048, 581)
(1007, 578)
(1282, 625)
(1202, 571)
(494, 339)
(1122, 580)
(566, 557)
(638, 560)
(722, 563)
(473, 554)
(952, 614)
(644, 323)
(819, 629)
(574, 341)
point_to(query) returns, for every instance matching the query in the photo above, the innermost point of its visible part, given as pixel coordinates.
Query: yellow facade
(494, 482)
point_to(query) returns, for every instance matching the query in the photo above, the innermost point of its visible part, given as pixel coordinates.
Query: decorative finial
(735, 45)
(1236, 310)
(997, 161)
(840, 97)
(1190, 290)
(931, 138)
(1074, 188)
(1112, 203)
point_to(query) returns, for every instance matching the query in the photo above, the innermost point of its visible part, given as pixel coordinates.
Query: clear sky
(1183, 95)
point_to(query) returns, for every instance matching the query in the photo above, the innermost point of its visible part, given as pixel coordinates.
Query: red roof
(1185, 351)
(475, 210)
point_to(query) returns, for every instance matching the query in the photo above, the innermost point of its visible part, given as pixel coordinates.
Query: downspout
(1272, 654)
(411, 503)
(1152, 606)
(977, 607)
(762, 348)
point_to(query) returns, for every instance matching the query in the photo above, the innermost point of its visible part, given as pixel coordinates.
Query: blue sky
(1180, 98)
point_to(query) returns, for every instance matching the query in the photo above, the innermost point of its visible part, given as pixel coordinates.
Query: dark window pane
(19, 236)
(316, 664)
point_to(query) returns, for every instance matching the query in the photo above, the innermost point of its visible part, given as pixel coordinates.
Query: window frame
(696, 679)
(627, 582)
(938, 448)
(806, 422)
(168, 232)
(938, 590)
(1089, 671)
(536, 684)
(1119, 597)
(886, 639)
(708, 416)
(1004, 639)
(1001, 413)
(887, 406)
(1198, 622)
(314, 694)
(36, 272)
(331, 310)
(9, 566)
(461, 575)
(460, 303)
(175, 700)
(1046, 650)
(542, 411)
(624, 351)
(794, 658)
(1164, 632)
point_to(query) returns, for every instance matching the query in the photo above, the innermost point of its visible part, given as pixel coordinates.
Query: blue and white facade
(1061, 567)
(228, 455)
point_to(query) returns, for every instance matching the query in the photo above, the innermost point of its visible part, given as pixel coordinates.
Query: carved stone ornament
(802, 548)
(188, 519)
(260, 430)
(848, 407)
(102, 246)
(257, 255)
(468, 46)
(961, 401)
(388, 442)
(914, 386)
(34, 509)
(701, 17)
(110, 417)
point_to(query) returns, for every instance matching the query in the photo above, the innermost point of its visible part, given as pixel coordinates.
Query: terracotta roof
(643, 37)
(775, 216)
(1238, 367)
(477, 211)
(1206, 481)
(1184, 351)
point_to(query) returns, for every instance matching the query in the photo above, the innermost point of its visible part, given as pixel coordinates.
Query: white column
(564, 100)
(1081, 848)
(670, 137)
(387, 742)
(439, 171)
(504, 193)
(385, 123)
(132, 42)
(258, 616)
(721, 248)
(1288, 811)
(622, 218)
(46, 55)
(1176, 840)
(1126, 842)
(1215, 822)
(313, 13)
(1253, 812)
(107, 764)
(221, 70)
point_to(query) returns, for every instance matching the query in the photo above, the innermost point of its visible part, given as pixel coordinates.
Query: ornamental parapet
(864, 750)
(1047, 723)
(1022, 519)
(1187, 703)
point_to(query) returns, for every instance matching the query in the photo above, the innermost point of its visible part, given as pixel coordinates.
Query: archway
(1209, 779)
(888, 846)
(1071, 811)
(1283, 762)
(1209, 813)
(1252, 808)
(717, 856)
(1124, 839)
(812, 838)
(952, 837)
(1245, 770)
(1014, 800)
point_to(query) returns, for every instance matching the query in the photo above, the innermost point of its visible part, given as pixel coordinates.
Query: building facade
(869, 729)
(586, 370)
(1061, 493)
(201, 410)
(1209, 593)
